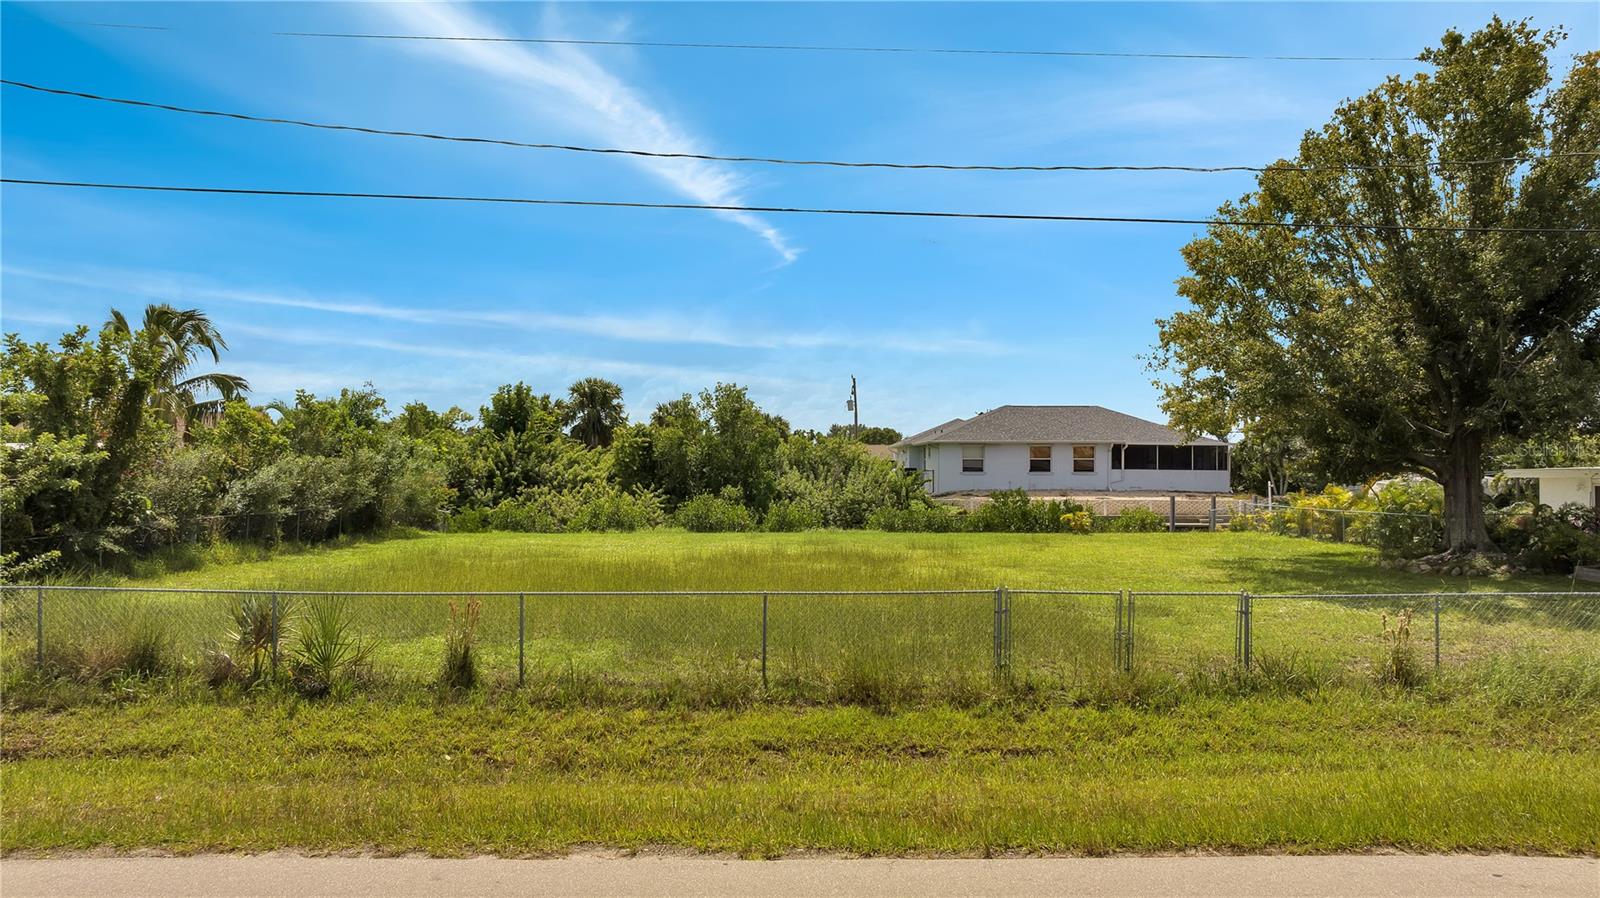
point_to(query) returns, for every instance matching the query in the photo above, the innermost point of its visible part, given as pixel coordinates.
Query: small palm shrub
(328, 651)
(253, 623)
(460, 670)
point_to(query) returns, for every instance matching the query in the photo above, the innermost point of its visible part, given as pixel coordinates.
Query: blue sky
(444, 302)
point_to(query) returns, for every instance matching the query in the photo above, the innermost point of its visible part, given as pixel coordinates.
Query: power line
(707, 207)
(808, 48)
(768, 160)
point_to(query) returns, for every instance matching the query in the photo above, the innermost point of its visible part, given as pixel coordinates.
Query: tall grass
(828, 560)
(137, 641)
(460, 668)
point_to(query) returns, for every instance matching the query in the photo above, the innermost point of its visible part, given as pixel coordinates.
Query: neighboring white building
(1059, 448)
(1561, 486)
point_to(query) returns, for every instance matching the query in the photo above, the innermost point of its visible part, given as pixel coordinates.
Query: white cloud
(44, 318)
(655, 327)
(570, 83)
(566, 364)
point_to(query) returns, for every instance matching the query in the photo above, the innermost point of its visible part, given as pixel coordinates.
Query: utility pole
(855, 408)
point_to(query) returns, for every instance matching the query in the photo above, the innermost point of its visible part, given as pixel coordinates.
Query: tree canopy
(872, 436)
(1464, 310)
(594, 411)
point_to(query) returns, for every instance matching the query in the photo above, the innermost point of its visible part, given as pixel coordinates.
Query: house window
(1038, 459)
(1139, 458)
(1083, 459)
(1211, 458)
(1176, 458)
(972, 459)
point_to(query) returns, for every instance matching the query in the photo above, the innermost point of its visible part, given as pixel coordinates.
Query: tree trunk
(1464, 529)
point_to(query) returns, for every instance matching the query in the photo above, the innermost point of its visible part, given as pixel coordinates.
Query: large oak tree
(1471, 313)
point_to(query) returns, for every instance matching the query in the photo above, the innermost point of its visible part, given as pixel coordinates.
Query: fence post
(1249, 626)
(1340, 536)
(1005, 638)
(1116, 635)
(1436, 634)
(274, 633)
(1172, 514)
(38, 627)
(1213, 514)
(522, 626)
(763, 642)
(1127, 654)
(1238, 629)
(997, 632)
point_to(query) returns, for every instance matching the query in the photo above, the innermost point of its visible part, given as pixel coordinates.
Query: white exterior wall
(1005, 467)
(1556, 490)
(1173, 481)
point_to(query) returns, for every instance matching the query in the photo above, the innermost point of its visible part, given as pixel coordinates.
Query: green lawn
(1335, 772)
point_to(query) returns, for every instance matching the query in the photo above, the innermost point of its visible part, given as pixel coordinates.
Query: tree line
(115, 446)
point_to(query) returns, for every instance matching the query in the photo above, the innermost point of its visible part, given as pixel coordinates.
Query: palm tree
(594, 411)
(167, 343)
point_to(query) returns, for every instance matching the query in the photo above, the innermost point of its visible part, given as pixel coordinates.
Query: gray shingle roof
(1054, 424)
(917, 439)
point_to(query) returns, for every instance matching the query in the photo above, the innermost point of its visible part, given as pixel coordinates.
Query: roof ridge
(1015, 423)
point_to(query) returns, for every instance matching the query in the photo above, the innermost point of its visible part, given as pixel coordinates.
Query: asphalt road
(581, 876)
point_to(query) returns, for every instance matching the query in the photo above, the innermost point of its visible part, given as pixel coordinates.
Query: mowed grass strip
(1340, 771)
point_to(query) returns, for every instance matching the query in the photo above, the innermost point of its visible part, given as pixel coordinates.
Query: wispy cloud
(555, 362)
(594, 98)
(654, 327)
(45, 318)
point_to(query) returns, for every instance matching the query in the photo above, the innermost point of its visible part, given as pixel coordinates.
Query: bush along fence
(809, 646)
(1406, 527)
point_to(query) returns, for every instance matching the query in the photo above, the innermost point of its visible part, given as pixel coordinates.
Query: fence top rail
(1593, 594)
(530, 593)
(1064, 592)
(533, 593)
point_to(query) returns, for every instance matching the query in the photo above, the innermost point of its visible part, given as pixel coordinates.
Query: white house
(1077, 448)
(1560, 486)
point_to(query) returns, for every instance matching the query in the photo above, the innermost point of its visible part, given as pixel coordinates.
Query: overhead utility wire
(810, 48)
(898, 213)
(767, 160)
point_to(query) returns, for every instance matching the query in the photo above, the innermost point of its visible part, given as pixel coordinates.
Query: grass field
(830, 560)
(822, 647)
(882, 732)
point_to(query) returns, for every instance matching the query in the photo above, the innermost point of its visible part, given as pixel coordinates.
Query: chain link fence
(822, 646)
